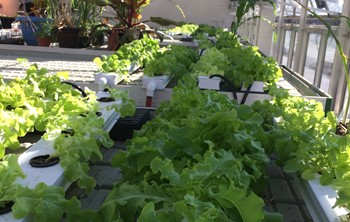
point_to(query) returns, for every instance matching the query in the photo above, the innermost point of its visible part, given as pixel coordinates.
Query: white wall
(211, 12)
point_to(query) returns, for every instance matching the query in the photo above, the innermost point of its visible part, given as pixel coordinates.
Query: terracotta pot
(45, 42)
(9, 7)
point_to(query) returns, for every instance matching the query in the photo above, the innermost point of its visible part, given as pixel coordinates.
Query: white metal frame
(298, 46)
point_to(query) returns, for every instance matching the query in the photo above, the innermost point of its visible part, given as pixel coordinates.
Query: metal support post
(291, 48)
(251, 30)
(300, 43)
(303, 53)
(281, 46)
(276, 47)
(320, 59)
(338, 83)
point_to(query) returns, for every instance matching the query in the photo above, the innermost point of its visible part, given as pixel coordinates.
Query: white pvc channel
(53, 175)
(320, 201)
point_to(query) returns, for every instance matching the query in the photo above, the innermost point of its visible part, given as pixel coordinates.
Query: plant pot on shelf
(29, 26)
(68, 37)
(43, 41)
(99, 41)
(83, 42)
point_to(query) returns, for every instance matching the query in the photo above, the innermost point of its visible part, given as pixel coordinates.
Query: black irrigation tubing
(201, 52)
(83, 93)
(228, 82)
(247, 91)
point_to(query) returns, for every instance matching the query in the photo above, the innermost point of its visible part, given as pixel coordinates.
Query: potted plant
(88, 15)
(44, 33)
(244, 6)
(73, 21)
(65, 23)
(127, 15)
(126, 24)
(35, 14)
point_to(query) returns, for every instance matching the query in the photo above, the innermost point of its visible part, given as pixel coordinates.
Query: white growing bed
(53, 175)
(320, 201)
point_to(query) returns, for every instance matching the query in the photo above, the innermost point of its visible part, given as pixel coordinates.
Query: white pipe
(151, 87)
(101, 83)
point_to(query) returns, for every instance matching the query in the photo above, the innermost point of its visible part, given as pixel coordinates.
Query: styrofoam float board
(52, 175)
(160, 81)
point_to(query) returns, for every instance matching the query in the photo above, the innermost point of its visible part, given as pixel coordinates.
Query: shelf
(306, 88)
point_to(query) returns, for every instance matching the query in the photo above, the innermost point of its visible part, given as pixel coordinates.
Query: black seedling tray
(125, 127)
